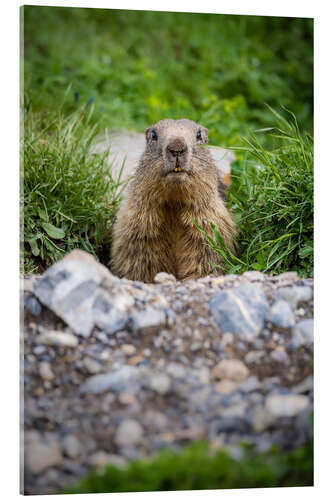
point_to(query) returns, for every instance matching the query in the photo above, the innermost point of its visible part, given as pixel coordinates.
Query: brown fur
(154, 230)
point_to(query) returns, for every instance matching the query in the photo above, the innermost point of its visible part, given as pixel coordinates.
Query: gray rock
(45, 371)
(254, 276)
(100, 459)
(118, 380)
(33, 305)
(303, 332)
(92, 366)
(241, 310)
(69, 287)
(286, 405)
(71, 446)
(106, 316)
(279, 355)
(281, 314)
(160, 383)
(129, 433)
(42, 453)
(148, 318)
(176, 370)
(261, 419)
(295, 294)
(250, 384)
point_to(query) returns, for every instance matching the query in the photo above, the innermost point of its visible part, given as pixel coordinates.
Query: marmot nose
(177, 147)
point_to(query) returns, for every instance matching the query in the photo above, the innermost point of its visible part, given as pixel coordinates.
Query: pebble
(92, 366)
(33, 305)
(303, 332)
(40, 454)
(241, 310)
(295, 294)
(160, 383)
(226, 387)
(128, 349)
(231, 369)
(148, 318)
(45, 371)
(164, 278)
(176, 370)
(57, 339)
(129, 433)
(117, 380)
(100, 459)
(286, 405)
(71, 446)
(282, 315)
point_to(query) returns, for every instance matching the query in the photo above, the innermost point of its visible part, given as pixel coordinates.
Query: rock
(106, 316)
(101, 459)
(42, 453)
(56, 339)
(129, 433)
(250, 384)
(303, 332)
(286, 405)
(241, 310)
(279, 354)
(254, 357)
(148, 318)
(127, 399)
(128, 349)
(69, 287)
(71, 446)
(45, 371)
(254, 276)
(226, 387)
(164, 278)
(295, 294)
(176, 370)
(231, 369)
(33, 305)
(288, 276)
(305, 386)
(92, 366)
(261, 419)
(160, 383)
(118, 380)
(281, 314)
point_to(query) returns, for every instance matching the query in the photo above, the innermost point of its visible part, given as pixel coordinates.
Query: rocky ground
(115, 369)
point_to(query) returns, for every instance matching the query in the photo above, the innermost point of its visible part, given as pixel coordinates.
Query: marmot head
(174, 145)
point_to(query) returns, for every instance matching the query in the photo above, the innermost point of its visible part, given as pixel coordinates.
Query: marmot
(175, 184)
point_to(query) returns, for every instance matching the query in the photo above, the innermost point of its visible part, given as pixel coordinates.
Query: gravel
(128, 368)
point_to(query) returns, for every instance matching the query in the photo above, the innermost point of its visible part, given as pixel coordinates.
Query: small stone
(282, 315)
(101, 459)
(117, 380)
(295, 294)
(231, 369)
(305, 386)
(160, 383)
(128, 349)
(176, 370)
(254, 276)
(164, 278)
(279, 354)
(148, 318)
(127, 399)
(106, 316)
(303, 332)
(57, 339)
(241, 310)
(286, 405)
(33, 305)
(254, 357)
(261, 419)
(129, 433)
(92, 366)
(40, 454)
(45, 371)
(226, 387)
(71, 446)
(250, 384)
(288, 276)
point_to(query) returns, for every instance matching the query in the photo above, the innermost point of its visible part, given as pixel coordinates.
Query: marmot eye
(199, 135)
(154, 135)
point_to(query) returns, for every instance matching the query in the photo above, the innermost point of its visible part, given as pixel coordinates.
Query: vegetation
(195, 468)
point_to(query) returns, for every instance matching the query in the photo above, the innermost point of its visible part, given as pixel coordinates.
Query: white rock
(176, 370)
(129, 433)
(40, 454)
(57, 339)
(45, 371)
(231, 369)
(286, 405)
(160, 383)
(164, 278)
(71, 446)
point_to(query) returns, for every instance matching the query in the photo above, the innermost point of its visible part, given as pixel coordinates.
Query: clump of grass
(272, 199)
(195, 468)
(69, 197)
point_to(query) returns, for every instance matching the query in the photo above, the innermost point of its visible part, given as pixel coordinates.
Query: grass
(272, 199)
(195, 468)
(69, 195)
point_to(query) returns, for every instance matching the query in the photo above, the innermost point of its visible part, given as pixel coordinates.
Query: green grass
(195, 468)
(69, 195)
(272, 199)
(87, 69)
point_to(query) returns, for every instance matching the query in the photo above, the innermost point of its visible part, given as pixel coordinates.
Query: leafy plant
(195, 468)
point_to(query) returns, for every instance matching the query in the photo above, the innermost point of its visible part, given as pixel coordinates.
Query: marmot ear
(204, 135)
(147, 133)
